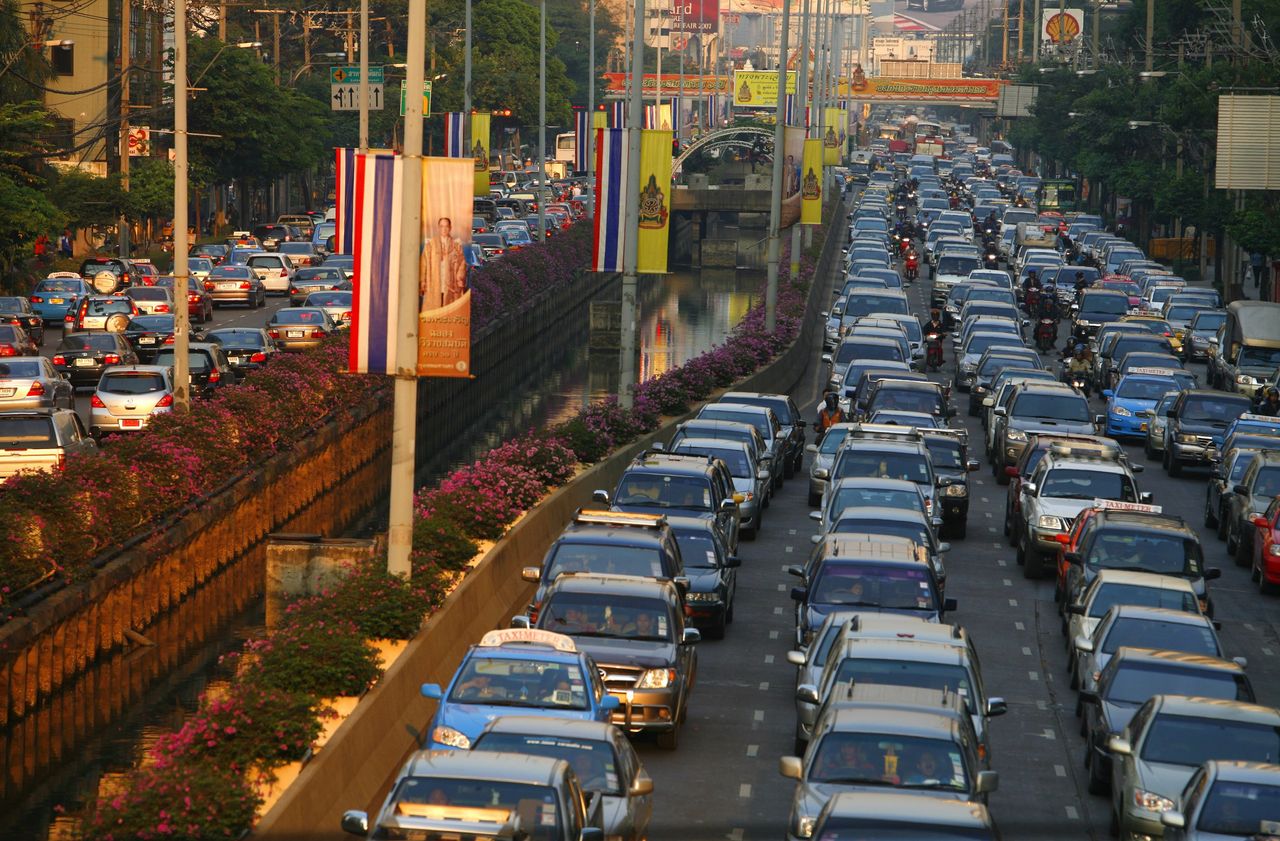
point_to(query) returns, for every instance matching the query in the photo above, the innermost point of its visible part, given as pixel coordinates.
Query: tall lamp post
(779, 161)
(631, 217)
(181, 273)
(542, 123)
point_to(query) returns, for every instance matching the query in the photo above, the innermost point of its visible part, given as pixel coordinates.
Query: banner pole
(404, 420)
(775, 197)
(807, 104)
(631, 219)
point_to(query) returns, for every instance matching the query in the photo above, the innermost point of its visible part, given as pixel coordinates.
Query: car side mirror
(1146, 497)
(1029, 488)
(946, 481)
(791, 767)
(799, 594)
(763, 475)
(988, 402)
(1099, 420)
(432, 691)
(691, 636)
(521, 621)
(1242, 662)
(1083, 644)
(658, 446)
(1075, 609)
(1173, 819)
(810, 448)
(972, 465)
(999, 411)
(996, 706)
(796, 658)
(821, 473)
(815, 539)
(641, 785)
(826, 357)
(1212, 573)
(732, 562)
(944, 547)
(807, 693)
(816, 516)
(531, 574)
(1119, 746)
(610, 702)
(1088, 696)
(1106, 392)
(682, 584)
(1011, 471)
(600, 496)
(355, 822)
(1072, 557)
(796, 570)
(949, 605)
(1137, 468)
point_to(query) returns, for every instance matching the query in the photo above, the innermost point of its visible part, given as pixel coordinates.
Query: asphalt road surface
(723, 781)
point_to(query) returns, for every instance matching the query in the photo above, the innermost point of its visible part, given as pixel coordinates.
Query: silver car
(858, 492)
(299, 328)
(336, 303)
(276, 271)
(236, 285)
(823, 456)
(765, 422)
(748, 480)
(128, 396)
(152, 300)
(1225, 801)
(30, 382)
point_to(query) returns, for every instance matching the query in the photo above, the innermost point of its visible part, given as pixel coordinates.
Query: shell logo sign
(1062, 27)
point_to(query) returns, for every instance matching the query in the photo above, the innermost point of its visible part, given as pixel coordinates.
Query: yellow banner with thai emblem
(811, 183)
(655, 201)
(480, 151)
(833, 136)
(599, 119)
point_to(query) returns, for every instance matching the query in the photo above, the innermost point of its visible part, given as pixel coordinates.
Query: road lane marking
(1042, 705)
(1072, 814)
(1008, 582)
(1002, 562)
(777, 611)
(744, 790)
(984, 499)
(1026, 650)
(768, 659)
(1266, 651)
(1060, 771)
(1013, 602)
(1050, 735)
(1018, 626)
(791, 531)
(987, 514)
(758, 715)
(764, 686)
(791, 549)
(752, 750)
(782, 588)
(735, 834)
(996, 544)
(786, 567)
(773, 635)
(1033, 675)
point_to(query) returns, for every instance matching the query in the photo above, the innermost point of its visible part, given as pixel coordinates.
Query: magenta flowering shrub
(182, 801)
(312, 654)
(499, 287)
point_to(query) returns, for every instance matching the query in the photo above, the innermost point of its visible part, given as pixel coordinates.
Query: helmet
(1080, 348)
(830, 398)
(934, 313)
(1272, 392)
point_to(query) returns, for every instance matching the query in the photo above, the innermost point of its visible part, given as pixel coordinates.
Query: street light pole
(591, 106)
(181, 275)
(364, 75)
(775, 197)
(466, 84)
(631, 217)
(542, 125)
(803, 87)
(405, 412)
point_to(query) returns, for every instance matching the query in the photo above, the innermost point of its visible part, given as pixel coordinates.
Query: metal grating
(1248, 150)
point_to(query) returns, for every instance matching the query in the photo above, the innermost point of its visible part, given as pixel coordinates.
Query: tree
(25, 212)
(573, 22)
(86, 199)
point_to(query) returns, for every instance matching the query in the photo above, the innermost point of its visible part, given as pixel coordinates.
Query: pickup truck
(40, 439)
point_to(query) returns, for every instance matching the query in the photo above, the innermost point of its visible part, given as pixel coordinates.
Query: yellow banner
(444, 314)
(811, 183)
(655, 201)
(664, 116)
(600, 119)
(833, 136)
(759, 88)
(480, 151)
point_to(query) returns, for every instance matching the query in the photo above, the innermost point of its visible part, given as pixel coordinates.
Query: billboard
(1061, 27)
(695, 15)
(444, 314)
(1016, 100)
(759, 88)
(655, 196)
(889, 89)
(1248, 142)
(673, 84)
(480, 151)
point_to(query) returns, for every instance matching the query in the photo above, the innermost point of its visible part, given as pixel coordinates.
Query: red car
(199, 301)
(1266, 549)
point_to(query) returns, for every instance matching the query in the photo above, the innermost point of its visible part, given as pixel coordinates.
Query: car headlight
(1050, 523)
(1245, 379)
(955, 490)
(452, 738)
(747, 496)
(1185, 439)
(1122, 411)
(656, 679)
(701, 597)
(1016, 435)
(804, 827)
(1151, 801)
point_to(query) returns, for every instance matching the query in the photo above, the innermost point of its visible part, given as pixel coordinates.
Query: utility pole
(803, 87)
(466, 83)
(1149, 60)
(1022, 5)
(542, 126)
(1036, 45)
(631, 216)
(126, 57)
(775, 197)
(181, 274)
(364, 75)
(349, 37)
(1004, 41)
(1097, 34)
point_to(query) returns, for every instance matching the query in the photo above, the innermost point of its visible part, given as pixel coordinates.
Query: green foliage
(313, 655)
(86, 199)
(25, 212)
(150, 189)
(440, 545)
(382, 606)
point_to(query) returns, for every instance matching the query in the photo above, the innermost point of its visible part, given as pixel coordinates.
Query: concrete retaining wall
(353, 771)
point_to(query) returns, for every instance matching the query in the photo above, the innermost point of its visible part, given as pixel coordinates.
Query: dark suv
(949, 452)
(1098, 307)
(672, 483)
(1197, 423)
(788, 415)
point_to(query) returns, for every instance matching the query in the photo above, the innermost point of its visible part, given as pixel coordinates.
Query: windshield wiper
(861, 781)
(1071, 496)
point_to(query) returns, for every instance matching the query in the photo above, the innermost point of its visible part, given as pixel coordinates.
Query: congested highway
(724, 781)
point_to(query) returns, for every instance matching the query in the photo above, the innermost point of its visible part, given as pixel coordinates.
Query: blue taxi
(1130, 403)
(1252, 424)
(53, 296)
(516, 670)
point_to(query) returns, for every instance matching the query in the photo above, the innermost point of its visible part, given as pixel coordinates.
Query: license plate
(7, 392)
(234, 360)
(1142, 427)
(147, 340)
(84, 362)
(228, 285)
(131, 423)
(294, 334)
(57, 301)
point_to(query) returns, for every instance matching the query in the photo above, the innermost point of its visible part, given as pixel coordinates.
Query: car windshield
(860, 305)
(837, 828)
(943, 677)
(831, 443)
(698, 548)
(857, 524)
(1182, 312)
(957, 265)
(595, 762)
(907, 400)
(1240, 809)
(450, 800)
(264, 262)
(888, 760)
(1190, 740)
(1218, 409)
(914, 467)
(855, 497)
(780, 407)
(609, 559)
(1095, 306)
(1110, 594)
(1065, 407)
(1263, 357)
(1209, 322)
(734, 457)
(1070, 483)
(994, 364)
(68, 286)
(1137, 344)
(1134, 683)
(878, 351)
(1144, 389)
(230, 273)
(690, 493)
(980, 342)
(1165, 554)
(1191, 637)
(131, 382)
(607, 615)
(944, 453)
(870, 585)
(757, 419)
(21, 432)
(515, 682)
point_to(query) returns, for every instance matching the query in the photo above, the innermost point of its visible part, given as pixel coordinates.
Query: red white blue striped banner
(612, 186)
(582, 125)
(344, 198)
(618, 110)
(453, 135)
(376, 301)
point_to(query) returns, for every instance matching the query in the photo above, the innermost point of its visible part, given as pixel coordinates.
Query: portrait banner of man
(444, 308)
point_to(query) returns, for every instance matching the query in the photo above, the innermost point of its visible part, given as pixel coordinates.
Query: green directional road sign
(340, 75)
(426, 98)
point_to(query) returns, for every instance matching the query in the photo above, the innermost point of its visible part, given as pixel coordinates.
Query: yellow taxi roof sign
(528, 636)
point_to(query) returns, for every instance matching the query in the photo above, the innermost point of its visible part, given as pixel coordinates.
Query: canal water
(80, 745)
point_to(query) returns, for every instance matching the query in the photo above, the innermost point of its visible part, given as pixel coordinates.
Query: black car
(712, 574)
(949, 452)
(17, 310)
(788, 415)
(247, 348)
(1197, 423)
(149, 333)
(209, 367)
(83, 356)
(1098, 307)
(662, 483)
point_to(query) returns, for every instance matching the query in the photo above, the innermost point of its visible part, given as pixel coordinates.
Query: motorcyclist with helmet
(829, 415)
(1269, 403)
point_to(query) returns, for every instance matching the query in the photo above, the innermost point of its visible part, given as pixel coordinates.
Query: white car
(276, 271)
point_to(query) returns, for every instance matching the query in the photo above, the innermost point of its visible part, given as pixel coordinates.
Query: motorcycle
(933, 351)
(1080, 382)
(1032, 300)
(991, 259)
(912, 268)
(1046, 333)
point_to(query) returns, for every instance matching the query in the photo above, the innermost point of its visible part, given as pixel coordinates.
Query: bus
(566, 147)
(1057, 194)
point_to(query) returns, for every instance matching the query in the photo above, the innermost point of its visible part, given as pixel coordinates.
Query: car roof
(593, 582)
(880, 512)
(1142, 579)
(485, 765)
(1182, 658)
(657, 461)
(1244, 772)
(539, 725)
(855, 547)
(900, 721)
(1158, 614)
(143, 369)
(1146, 520)
(1217, 708)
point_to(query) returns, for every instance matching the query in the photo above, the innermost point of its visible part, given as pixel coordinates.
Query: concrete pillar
(301, 565)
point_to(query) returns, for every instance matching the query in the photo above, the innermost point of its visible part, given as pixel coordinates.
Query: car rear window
(131, 382)
(68, 286)
(19, 369)
(265, 262)
(19, 432)
(107, 307)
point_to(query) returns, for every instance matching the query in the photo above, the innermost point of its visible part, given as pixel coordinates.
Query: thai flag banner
(790, 109)
(375, 302)
(649, 117)
(344, 198)
(612, 186)
(454, 146)
(619, 114)
(582, 125)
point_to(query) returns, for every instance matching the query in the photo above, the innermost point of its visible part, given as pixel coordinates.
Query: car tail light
(8, 350)
(36, 299)
(208, 286)
(293, 290)
(162, 308)
(62, 461)
(346, 316)
(96, 402)
(36, 390)
(258, 357)
(284, 272)
(169, 340)
(165, 402)
(215, 376)
(317, 334)
(111, 359)
(59, 359)
(193, 297)
(68, 319)
(275, 334)
(244, 284)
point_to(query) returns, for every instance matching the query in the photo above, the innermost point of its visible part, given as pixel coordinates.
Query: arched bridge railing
(734, 136)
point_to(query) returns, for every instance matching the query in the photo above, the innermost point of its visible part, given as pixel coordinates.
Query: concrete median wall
(357, 766)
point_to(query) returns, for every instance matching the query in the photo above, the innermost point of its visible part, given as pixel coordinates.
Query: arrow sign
(346, 97)
(344, 75)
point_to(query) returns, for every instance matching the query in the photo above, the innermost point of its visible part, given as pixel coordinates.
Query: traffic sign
(140, 141)
(426, 98)
(351, 75)
(346, 97)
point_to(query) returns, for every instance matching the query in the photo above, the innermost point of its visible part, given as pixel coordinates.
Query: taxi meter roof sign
(529, 636)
